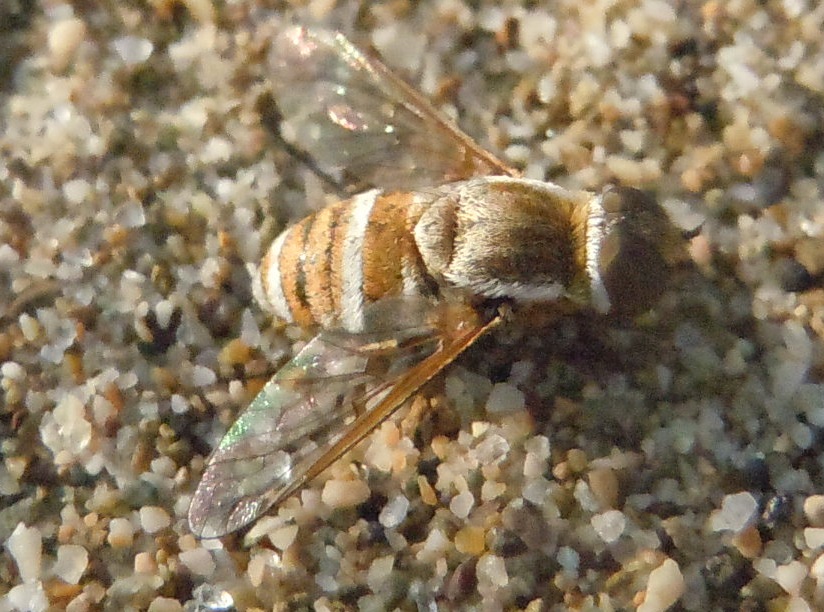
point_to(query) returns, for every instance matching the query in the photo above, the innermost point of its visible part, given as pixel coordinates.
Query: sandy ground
(673, 463)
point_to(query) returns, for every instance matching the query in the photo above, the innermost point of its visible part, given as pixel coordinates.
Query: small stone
(8, 255)
(737, 510)
(379, 572)
(470, 540)
(154, 518)
(164, 309)
(461, 504)
(394, 512)
(434, 547)
(83, 602)
(165, 604)
(801, 435)
(25, 547)
(163, 466)
(236, 352)
(814, 510)
(577, 460)
(401, 46)
(810, 254)
(76, 191)
(382, 451)
(428, 495)
(664, 587)
(491, 490)
(505, 398)
(256, 569)
(64, 38)
(604, 485)
(536, 490)
(814, 537)
(12, 370)
(202, 10)
(491, 570)
(609, 525)
(29, 326)
(538, 446)
(187, 542)
(462, 582)
(790, 576)
(203, 376)
(797, 604)
(9, 482)
(748, 542)
(817, 568)
(72, 561)
(28, 596)
(534, 465)
(144, 563)
(344, 493)
(283, 537)
(132, 49)
(631, 171)
(790, 372)
(179, 404)
(66, 427)
(199, 561)
(491, 449)
(569, 559)
(561, 471)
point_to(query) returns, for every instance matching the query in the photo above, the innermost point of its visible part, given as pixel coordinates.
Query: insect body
(481, 239)
(402, 280)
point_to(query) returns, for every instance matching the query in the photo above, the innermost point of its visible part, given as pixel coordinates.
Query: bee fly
(400, 280)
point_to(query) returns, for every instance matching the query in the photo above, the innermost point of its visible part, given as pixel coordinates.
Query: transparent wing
(318, 406)
(354, 118)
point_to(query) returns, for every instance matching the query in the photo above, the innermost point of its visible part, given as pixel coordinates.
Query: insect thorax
(507, 238)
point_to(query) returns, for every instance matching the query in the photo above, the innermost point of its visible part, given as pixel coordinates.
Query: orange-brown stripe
(336, 264)
(385, 241)
(317, 264)
(291, 272)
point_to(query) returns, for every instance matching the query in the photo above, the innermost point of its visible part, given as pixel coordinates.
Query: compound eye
(630, 260)
(633, 272)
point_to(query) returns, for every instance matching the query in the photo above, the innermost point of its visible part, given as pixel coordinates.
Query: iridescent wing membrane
(351, 114)
(319, 405)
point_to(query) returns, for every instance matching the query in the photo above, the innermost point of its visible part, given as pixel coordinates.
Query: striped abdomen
(325, 269)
